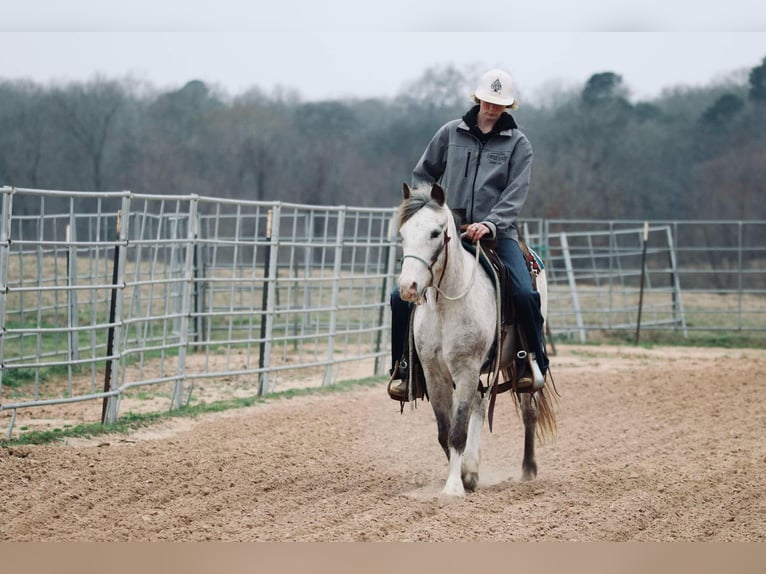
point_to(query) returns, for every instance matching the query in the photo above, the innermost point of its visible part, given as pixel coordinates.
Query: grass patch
(143, 396)
(649, 339)
(131, 422)
(15, 378)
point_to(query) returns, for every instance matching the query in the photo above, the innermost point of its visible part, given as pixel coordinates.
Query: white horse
(454, 327)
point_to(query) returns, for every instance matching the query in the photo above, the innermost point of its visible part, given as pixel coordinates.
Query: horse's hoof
(529, 472)
(451, 495)
(453, 490)
(470, 481)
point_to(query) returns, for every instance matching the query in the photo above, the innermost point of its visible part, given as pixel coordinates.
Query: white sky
(330, 48)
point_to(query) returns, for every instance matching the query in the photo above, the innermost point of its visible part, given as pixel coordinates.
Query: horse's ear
(406, 190)
(437, 193)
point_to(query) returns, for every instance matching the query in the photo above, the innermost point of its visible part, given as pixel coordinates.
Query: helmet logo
(496, 86)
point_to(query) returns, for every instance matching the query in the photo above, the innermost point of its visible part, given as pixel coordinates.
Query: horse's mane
(419, 198)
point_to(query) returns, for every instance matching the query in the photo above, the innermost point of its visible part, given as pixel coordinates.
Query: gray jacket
(489, 181)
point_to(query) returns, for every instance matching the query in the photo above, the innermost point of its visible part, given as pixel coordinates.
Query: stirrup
(400, 370)
(398, 385)
(530, 378)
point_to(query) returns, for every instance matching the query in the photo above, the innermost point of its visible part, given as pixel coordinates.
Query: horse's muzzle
(411, 293)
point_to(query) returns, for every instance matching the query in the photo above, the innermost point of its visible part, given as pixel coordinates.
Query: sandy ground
(663, 444)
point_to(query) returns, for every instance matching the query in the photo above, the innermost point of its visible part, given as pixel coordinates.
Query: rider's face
(490, 112)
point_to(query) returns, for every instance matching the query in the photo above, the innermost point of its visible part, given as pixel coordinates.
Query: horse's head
(425, 226)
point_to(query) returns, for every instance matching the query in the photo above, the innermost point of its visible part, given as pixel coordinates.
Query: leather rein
(429, 265)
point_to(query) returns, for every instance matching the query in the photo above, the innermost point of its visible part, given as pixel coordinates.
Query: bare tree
(23, 126)
(86, 113)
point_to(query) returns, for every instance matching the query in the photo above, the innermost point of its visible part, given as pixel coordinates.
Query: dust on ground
(659, 444)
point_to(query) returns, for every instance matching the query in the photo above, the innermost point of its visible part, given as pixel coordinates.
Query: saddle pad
(534, 261)
(485, 262)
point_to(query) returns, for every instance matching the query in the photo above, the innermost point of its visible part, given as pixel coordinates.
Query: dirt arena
(661, 444)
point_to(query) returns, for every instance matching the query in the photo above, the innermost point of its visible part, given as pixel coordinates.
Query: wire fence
(102, 294)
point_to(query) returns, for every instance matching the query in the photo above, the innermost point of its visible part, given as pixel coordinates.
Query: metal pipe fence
(113, 291)
(102, 294)
(699, 276)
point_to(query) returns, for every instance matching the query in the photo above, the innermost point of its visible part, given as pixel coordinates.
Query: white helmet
(496, 87)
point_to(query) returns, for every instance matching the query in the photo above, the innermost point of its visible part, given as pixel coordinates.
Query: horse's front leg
(439, 388)
(464, 436)
(472, 454)
(454, 485)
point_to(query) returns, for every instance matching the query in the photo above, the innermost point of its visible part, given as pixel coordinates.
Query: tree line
(690, 153)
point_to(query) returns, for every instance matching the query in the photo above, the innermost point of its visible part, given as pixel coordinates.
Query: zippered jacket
(490, 181)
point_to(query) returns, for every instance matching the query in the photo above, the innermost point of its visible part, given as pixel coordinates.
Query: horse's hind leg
(529, 417)
(472, 454)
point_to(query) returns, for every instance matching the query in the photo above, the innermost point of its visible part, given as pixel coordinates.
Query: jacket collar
(504, 125)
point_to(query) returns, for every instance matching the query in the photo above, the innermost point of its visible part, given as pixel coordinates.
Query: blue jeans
(525, 298)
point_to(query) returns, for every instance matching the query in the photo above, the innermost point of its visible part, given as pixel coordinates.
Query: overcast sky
(332, 49)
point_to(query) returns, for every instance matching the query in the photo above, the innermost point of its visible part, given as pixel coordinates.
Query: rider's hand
(476, 231)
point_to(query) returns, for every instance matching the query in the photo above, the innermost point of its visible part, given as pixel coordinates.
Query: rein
(429, 266)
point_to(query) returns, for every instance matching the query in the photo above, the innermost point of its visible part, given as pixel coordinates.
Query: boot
(398, 385)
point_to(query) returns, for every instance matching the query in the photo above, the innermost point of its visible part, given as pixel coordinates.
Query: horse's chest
(428, 336)
(437, 339)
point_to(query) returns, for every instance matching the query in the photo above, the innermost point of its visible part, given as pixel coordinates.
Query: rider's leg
(400, 318)
(526, 300)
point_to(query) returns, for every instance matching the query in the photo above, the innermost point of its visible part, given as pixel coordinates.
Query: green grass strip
(131, 422)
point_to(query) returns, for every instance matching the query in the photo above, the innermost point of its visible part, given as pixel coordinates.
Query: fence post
(678, 306)
(334, 303)
(572, 285)
(643, 275)
(186, 307)
(269, 288)
(740, 286)
(111, 404)
(199, 285)
(308, 271)
(384, 335)
(72, 318)
(612, 259)
(5, 243)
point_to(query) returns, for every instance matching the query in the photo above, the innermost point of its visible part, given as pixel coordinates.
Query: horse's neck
(460, 266)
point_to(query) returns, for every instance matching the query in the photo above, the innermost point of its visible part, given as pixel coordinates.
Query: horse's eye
(435, 233)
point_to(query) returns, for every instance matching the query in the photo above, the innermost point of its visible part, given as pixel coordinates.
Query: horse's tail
(547, 403)
(547, 398)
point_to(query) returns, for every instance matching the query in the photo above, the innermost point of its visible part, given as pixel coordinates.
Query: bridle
(430, 264)
(444, 246)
